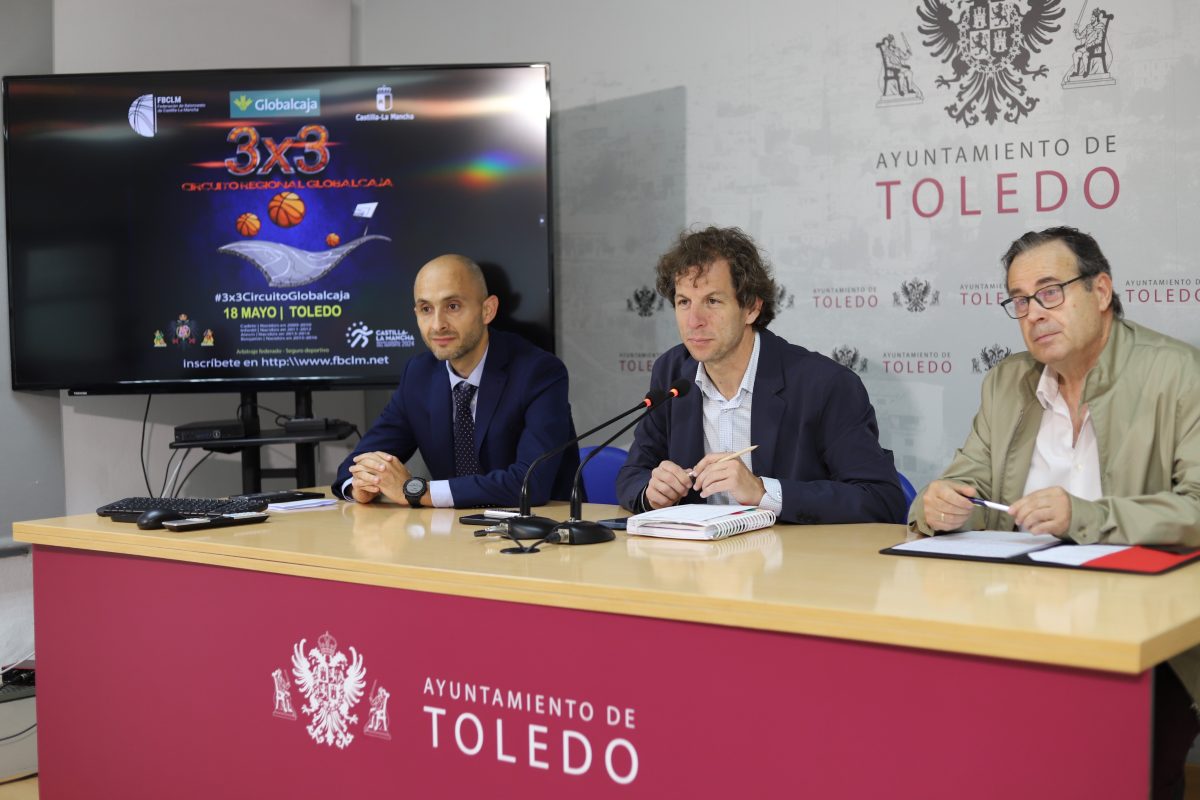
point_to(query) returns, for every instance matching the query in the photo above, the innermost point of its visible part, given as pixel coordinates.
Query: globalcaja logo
(294, 103)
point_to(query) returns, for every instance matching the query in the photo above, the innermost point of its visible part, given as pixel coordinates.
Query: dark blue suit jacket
(814, 427)
(521, 412)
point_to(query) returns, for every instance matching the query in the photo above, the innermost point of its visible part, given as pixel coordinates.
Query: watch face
(414, 486)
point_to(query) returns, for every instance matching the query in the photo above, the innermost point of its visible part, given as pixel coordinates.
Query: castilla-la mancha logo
(332, 685)
(643, 302)
(916, 295)
(989, 44)
(989, 357)
(848, 357)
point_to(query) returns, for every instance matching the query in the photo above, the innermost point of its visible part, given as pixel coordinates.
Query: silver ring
(943, 516)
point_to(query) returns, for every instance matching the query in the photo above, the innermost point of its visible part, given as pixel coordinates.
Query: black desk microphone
(527, 526)
(580, 531)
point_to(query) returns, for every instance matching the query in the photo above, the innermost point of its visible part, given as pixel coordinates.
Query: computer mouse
(155, 517)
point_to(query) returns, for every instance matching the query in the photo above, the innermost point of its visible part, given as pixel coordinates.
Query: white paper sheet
(691, 512)
(1075, 555)
(980, 544)
(302, 505)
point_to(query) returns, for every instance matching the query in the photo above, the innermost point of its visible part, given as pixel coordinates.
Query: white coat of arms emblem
(332, 686)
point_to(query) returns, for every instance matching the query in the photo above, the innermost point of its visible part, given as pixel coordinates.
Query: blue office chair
(600, 475)
(910, 493)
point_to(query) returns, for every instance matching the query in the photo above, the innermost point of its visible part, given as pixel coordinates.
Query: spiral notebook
(699, 521)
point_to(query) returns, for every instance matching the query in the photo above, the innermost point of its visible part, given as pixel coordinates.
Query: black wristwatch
(414, 490)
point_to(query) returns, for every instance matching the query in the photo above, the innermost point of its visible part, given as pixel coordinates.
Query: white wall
(101, 434)
(152, 35)
(31, 458)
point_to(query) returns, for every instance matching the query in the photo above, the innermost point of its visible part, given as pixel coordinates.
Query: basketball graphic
(333, 240)
(141, 116)
(286, 209)
(248, 224)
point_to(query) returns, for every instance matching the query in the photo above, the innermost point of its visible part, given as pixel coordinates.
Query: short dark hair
(701, 249)
(1088, 257)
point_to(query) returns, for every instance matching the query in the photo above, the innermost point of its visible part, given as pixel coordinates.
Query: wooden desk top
(820, 580)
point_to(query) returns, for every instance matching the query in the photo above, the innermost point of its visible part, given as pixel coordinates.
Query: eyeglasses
(1051, 296)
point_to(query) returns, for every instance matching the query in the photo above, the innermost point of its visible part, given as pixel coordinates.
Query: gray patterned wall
(774, 116)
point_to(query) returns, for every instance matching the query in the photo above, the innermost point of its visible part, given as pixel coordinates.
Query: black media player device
(210, 431)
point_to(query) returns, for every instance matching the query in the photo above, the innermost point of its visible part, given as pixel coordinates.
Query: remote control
(225, 520)
(280, 496)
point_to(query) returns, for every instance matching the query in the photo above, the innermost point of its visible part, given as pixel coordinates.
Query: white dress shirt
(1057, 460)
(439, 491)
(727, 427)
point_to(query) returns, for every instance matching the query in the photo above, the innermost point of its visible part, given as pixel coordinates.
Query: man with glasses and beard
(1093, 435)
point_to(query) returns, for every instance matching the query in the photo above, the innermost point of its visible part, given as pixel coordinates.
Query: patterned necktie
(465, 460)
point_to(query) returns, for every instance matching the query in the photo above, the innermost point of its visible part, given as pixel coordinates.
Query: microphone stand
(527, 526)
(580, 531)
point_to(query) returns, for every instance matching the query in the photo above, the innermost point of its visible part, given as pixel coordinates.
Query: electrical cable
(179, 488)
(175, 474)
(18, 734)
(166, 471)
(142, 448)
(18, 661)
(278, 415)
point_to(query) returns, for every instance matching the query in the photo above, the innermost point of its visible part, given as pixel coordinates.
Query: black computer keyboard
(129, 509)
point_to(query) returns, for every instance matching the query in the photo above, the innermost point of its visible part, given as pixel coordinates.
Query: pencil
(738, 454)
(730, 457)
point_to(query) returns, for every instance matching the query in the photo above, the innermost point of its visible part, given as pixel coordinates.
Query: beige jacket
(1144, 399)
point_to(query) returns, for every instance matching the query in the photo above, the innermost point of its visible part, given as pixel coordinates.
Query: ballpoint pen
(989, 504)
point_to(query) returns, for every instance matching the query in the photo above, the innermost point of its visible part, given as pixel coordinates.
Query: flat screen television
(260, 229)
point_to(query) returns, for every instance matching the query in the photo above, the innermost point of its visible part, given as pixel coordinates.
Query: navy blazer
(521, 412)
(814, 427)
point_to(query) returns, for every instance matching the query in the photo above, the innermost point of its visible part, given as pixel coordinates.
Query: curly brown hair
(701, 249)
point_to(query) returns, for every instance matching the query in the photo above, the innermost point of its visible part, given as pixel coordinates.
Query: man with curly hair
(817, 458)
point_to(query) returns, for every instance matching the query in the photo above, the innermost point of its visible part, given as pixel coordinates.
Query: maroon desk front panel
(161, 679)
